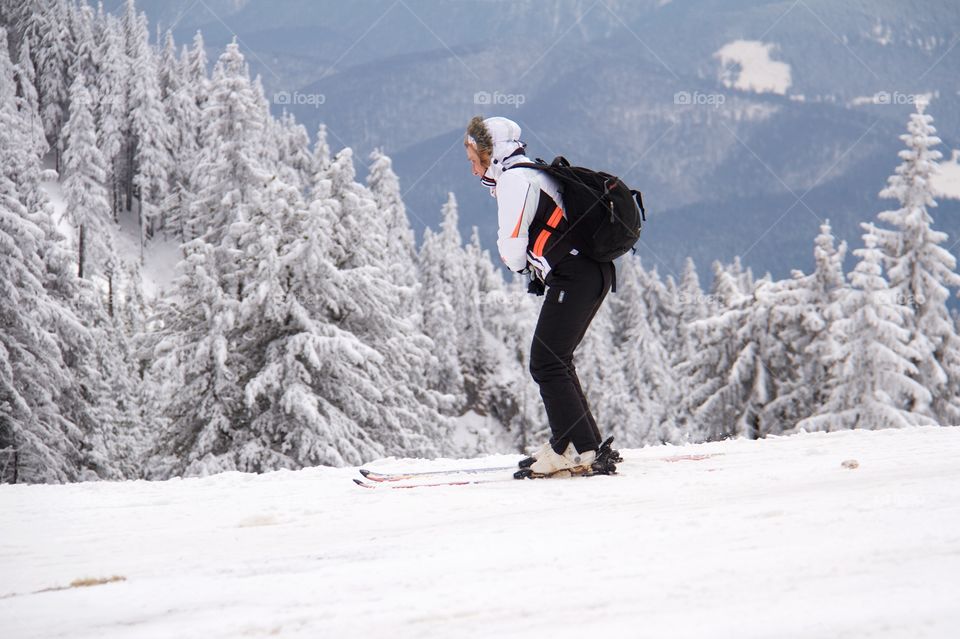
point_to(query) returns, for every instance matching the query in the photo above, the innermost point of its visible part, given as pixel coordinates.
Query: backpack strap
(639, 198)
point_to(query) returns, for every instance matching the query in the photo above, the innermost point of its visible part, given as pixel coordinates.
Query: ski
(605, 465)
(429, 484)
(389, 477)
(520, 474)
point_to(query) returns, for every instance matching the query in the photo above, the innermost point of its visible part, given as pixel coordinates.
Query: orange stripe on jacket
(516, 229)
(555, 218)
(540, 243)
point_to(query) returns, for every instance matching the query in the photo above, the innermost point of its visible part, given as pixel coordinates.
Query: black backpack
(603, 219)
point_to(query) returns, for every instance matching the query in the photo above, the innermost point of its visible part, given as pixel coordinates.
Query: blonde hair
(479, 138)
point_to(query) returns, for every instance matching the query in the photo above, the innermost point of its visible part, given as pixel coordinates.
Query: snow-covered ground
(946, 179)
(747, 65)
(774, 538)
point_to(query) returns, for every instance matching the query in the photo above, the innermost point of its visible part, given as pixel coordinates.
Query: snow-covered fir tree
(87, 197)
(652, 392)
(41, 441)
(922, 270)
(183, 113)
(112, 100)
(401, 245)
(201, 395)
(48, 30)
(29, 100)
(295, 161)
(409, 418)
(600, 362)
(872, 369)
(713, 407)
(439, 314)
(317, 386)
(227, 172)
(149, 128)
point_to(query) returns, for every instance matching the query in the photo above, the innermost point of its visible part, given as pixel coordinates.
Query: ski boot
(605, 463)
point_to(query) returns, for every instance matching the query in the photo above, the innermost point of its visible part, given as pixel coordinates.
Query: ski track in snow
(763, 539)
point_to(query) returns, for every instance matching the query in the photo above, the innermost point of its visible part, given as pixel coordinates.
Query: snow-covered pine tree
(439, 321)
(803, 312)
(493, 362)
(34, 379)
(271, 129)
(321, 151)
(921, 270)
(652, 392)
(113, 426)
(692, 305)
(180, 106)
(199, 371)
(195, 77)
(401, 245)
(71, 382)
(112, 108)
(227, 172)
(40, 439)
(600, 362)
(512, 316)
(22, 164)
(712, 409)
(83, 53)
(295, 164)
(29, 100)
(168, 68)
(662, 311)
(316, 387)
(476, 355)
(149, 154)
(51, 42)
(777, 329)
(354, 244)
(409, 422)
(459, 273)
(438, 302)
(195, 68)
(872, 369)
(87, 197)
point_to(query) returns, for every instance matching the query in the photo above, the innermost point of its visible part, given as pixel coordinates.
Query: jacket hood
(505, 137)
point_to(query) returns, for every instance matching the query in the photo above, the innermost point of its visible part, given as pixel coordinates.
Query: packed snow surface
(848, 534)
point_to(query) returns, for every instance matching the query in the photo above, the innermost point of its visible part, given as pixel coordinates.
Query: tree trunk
(82, 247)
(110, 294)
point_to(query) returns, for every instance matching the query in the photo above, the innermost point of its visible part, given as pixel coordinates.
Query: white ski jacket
(518, 193)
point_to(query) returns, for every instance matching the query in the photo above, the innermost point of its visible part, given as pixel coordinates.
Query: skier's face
(478, 166)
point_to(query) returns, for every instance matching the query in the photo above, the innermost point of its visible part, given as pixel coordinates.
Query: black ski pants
(576, 287)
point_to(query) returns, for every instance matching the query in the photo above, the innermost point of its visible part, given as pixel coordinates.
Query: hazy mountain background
(599, 82)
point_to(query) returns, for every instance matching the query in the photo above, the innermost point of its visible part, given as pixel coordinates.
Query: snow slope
(771, 538)
(946, 180)
(747, 65)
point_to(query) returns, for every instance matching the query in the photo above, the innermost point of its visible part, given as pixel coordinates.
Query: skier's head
(478, 145)
(488, 142)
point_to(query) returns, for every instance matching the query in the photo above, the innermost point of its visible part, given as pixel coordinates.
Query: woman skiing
(530, 200)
